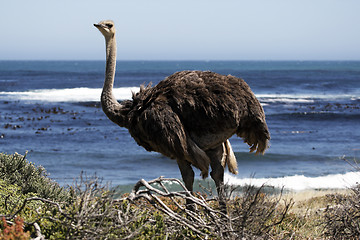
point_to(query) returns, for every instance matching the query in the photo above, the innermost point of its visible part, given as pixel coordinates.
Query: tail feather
(228, 157)
(256, 135)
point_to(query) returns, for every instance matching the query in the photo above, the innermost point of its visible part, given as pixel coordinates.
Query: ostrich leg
(217, 173)
(188, 177)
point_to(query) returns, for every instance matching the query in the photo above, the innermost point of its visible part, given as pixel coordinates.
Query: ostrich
(189, 116)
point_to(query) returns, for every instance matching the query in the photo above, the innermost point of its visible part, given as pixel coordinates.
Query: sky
(182, 29)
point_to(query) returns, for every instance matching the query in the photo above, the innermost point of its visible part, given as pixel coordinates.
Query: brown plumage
(189, 116)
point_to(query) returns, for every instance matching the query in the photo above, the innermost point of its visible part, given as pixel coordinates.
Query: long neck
(107, 93)
(111, 107)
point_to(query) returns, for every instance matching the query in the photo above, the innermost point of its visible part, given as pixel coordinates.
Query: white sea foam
(301, 98)
(300, 182)
(67, 95)
(287, 100)
(93, 94)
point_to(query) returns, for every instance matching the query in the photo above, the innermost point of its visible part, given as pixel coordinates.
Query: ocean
(51, 110)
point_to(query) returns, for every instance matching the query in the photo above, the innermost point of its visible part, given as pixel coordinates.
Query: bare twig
(39, 236)
(93, 213)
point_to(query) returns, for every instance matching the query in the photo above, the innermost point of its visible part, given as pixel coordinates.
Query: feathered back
(191, 112)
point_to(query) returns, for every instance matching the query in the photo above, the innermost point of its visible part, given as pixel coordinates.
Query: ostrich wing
(208, 105)
(213, 107)
(158, 128)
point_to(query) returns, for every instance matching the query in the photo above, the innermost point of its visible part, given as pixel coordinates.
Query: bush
(14, 232)
(16, 170)
(251, 216)
(342, 218)
(90, 210)
(256, 213)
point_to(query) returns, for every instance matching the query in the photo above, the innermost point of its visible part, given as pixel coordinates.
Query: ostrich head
(106, 28)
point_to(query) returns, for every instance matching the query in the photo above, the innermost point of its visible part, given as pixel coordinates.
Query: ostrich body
(189, 116)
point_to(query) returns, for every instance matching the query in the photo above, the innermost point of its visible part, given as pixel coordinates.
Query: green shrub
(15, 169)
(11, 200)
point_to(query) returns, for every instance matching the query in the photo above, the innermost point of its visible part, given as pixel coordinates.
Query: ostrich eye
(109, 25)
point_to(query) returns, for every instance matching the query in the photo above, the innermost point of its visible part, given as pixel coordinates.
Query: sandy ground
(301, 196)
(311, 201)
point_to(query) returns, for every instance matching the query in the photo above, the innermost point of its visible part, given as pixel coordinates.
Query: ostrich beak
(99, 25)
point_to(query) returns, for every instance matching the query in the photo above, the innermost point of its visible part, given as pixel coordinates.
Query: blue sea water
(51, 109)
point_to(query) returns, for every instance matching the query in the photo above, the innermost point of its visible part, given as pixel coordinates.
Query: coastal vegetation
(32, 206)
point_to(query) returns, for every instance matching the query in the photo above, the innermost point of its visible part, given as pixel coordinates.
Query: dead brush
(342, 218)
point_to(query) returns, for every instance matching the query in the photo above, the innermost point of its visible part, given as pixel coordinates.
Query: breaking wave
(67, 95)
(300, 182)
(303, 98)
(93, 94)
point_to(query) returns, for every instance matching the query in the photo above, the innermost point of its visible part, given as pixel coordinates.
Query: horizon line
(195, 60)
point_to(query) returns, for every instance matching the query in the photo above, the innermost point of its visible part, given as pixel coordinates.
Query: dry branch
(93, 213)
(207, 221)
